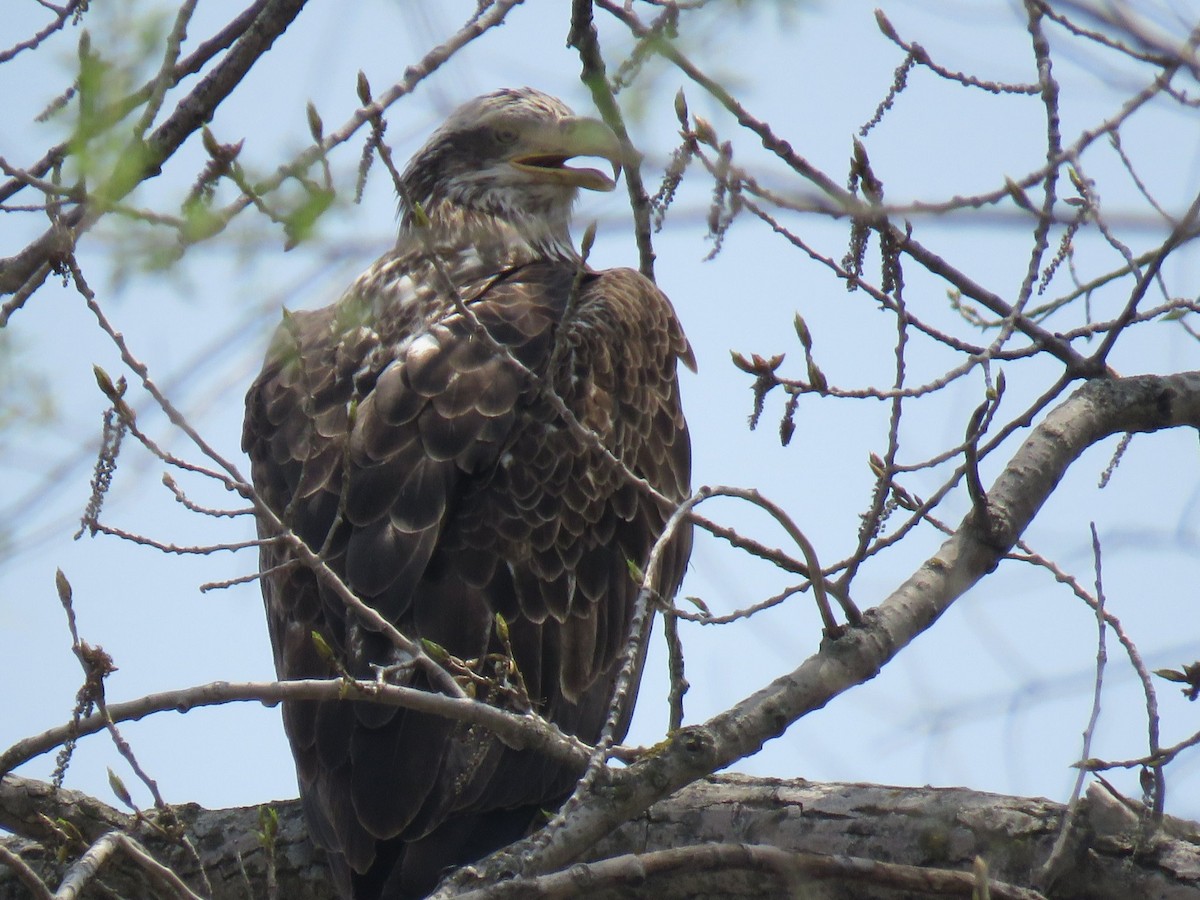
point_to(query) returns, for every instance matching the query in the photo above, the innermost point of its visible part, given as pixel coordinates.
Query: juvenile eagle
(435, 478)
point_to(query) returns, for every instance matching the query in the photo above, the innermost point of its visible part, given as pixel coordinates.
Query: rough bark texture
(1113, 854)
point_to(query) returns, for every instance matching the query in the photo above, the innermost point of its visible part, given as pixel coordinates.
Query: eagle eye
(506, 135)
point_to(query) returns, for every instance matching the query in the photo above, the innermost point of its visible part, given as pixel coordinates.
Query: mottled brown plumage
(436, 479)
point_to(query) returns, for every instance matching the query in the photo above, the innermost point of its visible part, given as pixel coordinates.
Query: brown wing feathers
(444, 490)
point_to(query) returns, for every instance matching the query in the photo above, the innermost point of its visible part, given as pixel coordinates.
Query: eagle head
(504, 156)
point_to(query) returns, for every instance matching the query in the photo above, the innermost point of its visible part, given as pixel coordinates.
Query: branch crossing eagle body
(434, 476)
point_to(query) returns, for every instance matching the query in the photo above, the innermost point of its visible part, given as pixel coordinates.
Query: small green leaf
(211, 145)
(1081, 184)
(315, 126)
(419, 215)
(589, 238)
(301, 222)
(435, 650)
(875, 461)
(322, 647)
(70, 830)
(802, 331)
(64, 587)
(816, 377)
(1018, 194)
(681, 108)
(699, 604)
(885, 26)
(268, 826)
(118, 786)
(199, 221)
(635, 571)
(105, 383)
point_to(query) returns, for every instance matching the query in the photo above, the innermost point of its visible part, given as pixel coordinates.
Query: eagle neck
(450, 258)
(451, 232)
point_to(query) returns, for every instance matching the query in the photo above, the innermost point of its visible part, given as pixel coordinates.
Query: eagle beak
(546, 152)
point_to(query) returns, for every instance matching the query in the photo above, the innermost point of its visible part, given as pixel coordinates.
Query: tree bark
(719, 837)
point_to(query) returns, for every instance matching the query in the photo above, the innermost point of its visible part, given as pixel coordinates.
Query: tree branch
(825, 831)
(515, 730)
(192, 111)
(1098, 409)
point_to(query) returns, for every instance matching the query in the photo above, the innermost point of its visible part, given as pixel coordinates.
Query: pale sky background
(994, 697)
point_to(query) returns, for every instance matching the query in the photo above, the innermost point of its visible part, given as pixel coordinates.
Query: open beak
(545, 153)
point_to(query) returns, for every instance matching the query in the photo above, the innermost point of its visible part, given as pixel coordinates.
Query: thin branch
(1057, 861)
(919, 54)
(369, 112)
(1154, 760)
(165, 79)
(1111, 621)
(158, 873)
(87, 868)
(1177, 236)
(61, 14)
(525, 731)
(901, 240)
(1048, 10)
(820, 589)
(177, 549)
(117, 111)
(36, 887)
(190, 113)
(707, 618)
(787, 873)
(187, 503)
(676, 675)
(584, 38)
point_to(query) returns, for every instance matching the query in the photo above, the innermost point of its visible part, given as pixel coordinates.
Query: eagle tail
(409, 870)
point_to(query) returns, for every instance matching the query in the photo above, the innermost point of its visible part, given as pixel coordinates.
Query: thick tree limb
(827, 833)
(28, 808)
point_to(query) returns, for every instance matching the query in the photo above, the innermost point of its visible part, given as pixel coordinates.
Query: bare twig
(175, 489)
(25, 874)
(919, 54)
(61, 15)
(177, 549)
(190, 113)
(584, 38)
(1053, 867)
(786, 873)
(516, 730)
(86, 869)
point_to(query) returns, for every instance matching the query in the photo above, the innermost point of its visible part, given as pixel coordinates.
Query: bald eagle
(434, 476)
